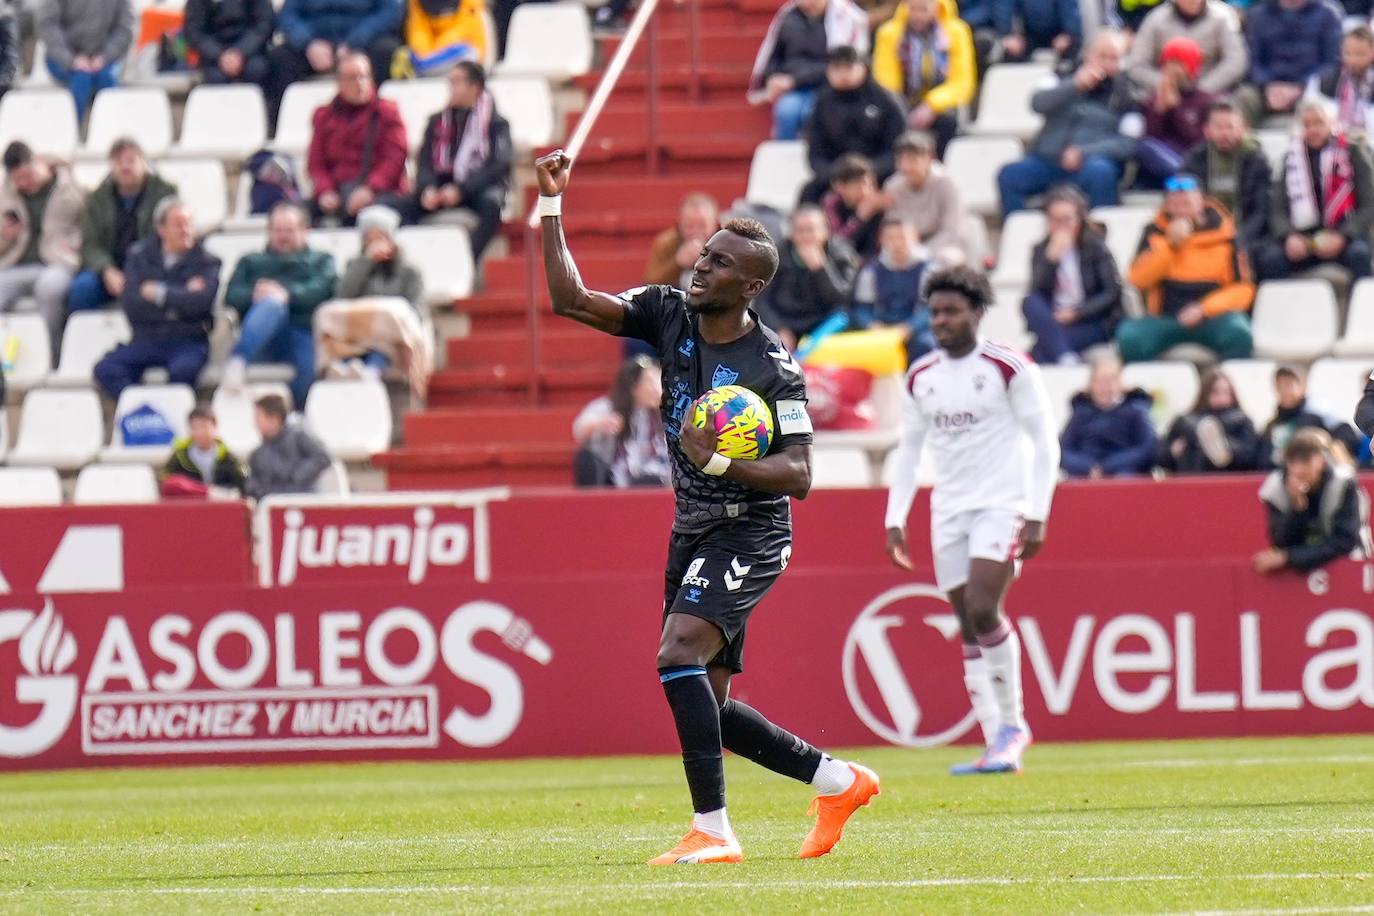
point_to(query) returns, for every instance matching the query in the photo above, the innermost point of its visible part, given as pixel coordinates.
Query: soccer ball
(744, 424)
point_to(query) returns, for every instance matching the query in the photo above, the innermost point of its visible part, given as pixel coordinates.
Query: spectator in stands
(1324, 202)
(922, 195)
(319, 35)
(1349, 85)
(169, 287)
(201, 460)
(1291, 41)
(1234, 171)
(789, 69)
(85, 42)
(440, 33)
(40, 234)
(1075, 290)
(1027, 26)
(231, 38)
(620, 436)
(1316, 509)
(1215, 435)
(924, 55)
(290, 460)
(276, 293)
(358, 148)
(1089, 133)
(854, 206)
(1109, 433)
(677, 248)
(1129, 15)
(853, 114)
(1175, 112)
(1194, 279)
(9, 50)
(1211, 24)
(119, 214)
(889, 290)
(465, 159)
(1295, 413)
(815, 277)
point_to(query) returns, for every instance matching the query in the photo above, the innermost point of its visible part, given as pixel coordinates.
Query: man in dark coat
(853, 114)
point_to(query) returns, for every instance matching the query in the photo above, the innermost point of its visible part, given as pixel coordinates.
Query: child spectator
(854, 205)
(888, 291)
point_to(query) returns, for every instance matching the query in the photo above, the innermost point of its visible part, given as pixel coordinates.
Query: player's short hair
(767, 250)
(843, 54)
(971, 284)
(274, 405)
(202, 412)
(17, 155)
(850, 167)
(917, 142)
(1307, 444)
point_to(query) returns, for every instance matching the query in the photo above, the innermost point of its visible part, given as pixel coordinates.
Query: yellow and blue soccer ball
(744, 424)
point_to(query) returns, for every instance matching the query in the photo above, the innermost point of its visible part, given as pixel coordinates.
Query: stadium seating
(777, 173)
(351, 418)
(1061, 384)
(241, 217)
(294, 121)
(234, 415)
(173, 402)
(45, 119)
(58, 428)
(38, 486)
(223, 122)
(229, 247)
(1254, 384)
(1173, 385)
(973, 163)
(1294, 319)
(106, 484)
(89, 173)
(835, 468)
(443, 256)
(1021, 232)
(1336, 385)
(1005, 323)
(526, 103)
(117, 112)
(1358, 339)
(1004, 107)
(417, 99)
(88, 337)
(552, 40)
(1275, 145)
(1124, 227)
(333, 480)
(201, 184)
(33, 349)
(343, 244)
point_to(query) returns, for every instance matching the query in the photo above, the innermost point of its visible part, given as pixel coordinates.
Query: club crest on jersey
(979, 382)
(723, 375)
(687, 346)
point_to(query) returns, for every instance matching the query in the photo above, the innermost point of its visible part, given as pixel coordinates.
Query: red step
(672, 47)
(602, 197)
(572, 346)
(475, 478)
(681, 154)
(482, 426)
(521, 464)
(502, 386)
(609, 272)
(675, 119)
(717, 80)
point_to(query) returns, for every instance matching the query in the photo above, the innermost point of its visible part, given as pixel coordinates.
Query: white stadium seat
(30, 487)
(1021, 232)
(223, 122)
(1254, 383)
(295, 120)
(234, 415)
(1004, 106)
(552, 40)
(89, 336)
(973, 163)
(777, 173)
(105, 484)
(417, 99)
(200, 184)
(333, 480)
(1358, 339)
(352, 418)
(89, 173)
(45, 119)
(1275, 145)
(39, 76)
(1061, 384)
(1173, 385)
(836, 468)
(1005, 323)
(1124, 226)
(27, 333)
(343, 244)
(230, 247)
(141, 112)
(1335, 386)
(60, 428)
(173, 402)
(525, 101)
(443, 255)
(242, 219)
(1294, 319)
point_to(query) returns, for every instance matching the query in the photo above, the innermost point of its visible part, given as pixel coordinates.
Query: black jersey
(691, 367)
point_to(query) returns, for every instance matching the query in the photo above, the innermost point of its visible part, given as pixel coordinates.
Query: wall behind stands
(426, 631)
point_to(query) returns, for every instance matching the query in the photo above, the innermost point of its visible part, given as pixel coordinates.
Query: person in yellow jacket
(439, 33)
(1194, 278)
(924, 54)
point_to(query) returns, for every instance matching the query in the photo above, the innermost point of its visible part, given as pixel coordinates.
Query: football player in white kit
(977, 402)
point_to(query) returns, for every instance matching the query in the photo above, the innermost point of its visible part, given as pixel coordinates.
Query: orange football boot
(832, 811)
(700, 848)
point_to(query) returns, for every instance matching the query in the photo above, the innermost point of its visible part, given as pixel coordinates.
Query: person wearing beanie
(1215, 28)
(1175, 112)
(380, 269)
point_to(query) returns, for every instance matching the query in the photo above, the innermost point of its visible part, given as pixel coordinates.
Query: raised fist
(553, 172)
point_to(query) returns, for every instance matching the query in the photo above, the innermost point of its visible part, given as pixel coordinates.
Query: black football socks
(745, 732)
(698, 721)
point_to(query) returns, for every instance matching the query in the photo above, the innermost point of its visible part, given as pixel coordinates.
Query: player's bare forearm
(571, 299)
(784, 473)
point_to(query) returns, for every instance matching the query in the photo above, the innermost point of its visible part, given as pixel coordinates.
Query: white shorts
(984, 534)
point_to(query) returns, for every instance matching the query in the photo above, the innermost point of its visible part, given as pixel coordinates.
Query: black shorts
(720, 575)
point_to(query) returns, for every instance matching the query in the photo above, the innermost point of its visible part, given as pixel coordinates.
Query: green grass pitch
(1244, 826)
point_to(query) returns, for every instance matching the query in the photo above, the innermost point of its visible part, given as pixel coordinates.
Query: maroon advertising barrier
(554, 654)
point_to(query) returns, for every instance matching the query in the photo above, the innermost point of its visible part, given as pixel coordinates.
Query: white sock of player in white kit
(832, 776)
(1002, 652)
(979, 687)
(716, 823)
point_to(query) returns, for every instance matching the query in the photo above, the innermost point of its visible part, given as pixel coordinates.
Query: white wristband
(550, 206)
(718, 465)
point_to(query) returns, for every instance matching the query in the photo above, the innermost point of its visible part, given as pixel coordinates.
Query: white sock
(716, 823)
(1004, 673)
(979, 687)
(832, 776)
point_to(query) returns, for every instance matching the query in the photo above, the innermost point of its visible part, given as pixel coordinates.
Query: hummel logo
(733, 583)
(785, 358)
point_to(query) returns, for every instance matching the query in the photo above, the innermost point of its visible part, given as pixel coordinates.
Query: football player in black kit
(732, 531)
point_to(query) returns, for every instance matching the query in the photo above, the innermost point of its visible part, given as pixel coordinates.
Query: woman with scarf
(1323, 201)
(440, 33)
(465, 159)
(620, 436)
(924, 55)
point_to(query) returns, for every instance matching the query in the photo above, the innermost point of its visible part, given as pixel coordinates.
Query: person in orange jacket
(924, 55)
(1195, 280)
(439, 33)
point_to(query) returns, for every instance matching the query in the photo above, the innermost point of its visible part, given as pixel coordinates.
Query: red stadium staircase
(496, 415)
